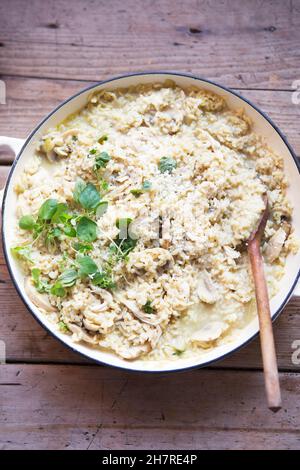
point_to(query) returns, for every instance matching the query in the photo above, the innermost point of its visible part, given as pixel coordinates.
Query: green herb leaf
(89, 198)
(148, 307)
(40, 285)
(63, 326)
(104, 280)
(167, 165)
(86, 266)
(103, 185)
(101, 160)
(146, 185)
(51, 236)
(55, 232)
(178, 352)
(38, 228)
(82, 248)
(48, 209)
(86, 229)
(69, 230)
(58, 290)
(123, 243)
(22, 252)
(27, 222)
(61, 214)
(79, 187)
(101, 208)
(68, 278)
(137, 192)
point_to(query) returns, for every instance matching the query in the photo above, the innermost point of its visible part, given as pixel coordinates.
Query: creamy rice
(181, 178)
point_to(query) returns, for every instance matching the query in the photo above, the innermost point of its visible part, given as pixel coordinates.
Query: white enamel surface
(261, 126)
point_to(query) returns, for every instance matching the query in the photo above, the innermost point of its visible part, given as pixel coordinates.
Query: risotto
(133, 220)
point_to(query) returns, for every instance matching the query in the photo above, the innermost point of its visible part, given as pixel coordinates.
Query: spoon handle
(265, 324)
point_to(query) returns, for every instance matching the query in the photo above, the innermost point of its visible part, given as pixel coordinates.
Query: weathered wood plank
(29, 100)
(75, 407)
(248, 44)
(27, 341)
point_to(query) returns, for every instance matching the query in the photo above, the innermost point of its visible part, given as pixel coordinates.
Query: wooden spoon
(263, 308)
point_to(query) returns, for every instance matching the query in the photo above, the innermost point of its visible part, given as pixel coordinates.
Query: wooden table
(53, 399)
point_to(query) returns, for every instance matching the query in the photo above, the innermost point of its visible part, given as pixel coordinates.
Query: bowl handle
(15, 145)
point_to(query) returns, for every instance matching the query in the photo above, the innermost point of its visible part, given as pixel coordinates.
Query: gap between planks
(93, 82)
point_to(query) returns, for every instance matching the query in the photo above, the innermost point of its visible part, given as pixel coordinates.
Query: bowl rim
(5, 247)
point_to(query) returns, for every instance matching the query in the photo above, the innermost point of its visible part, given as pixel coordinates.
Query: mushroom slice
(136, 311)
(80, 335)
(206, 289)
(39, 300)
(104, 294)
(90, 326)
(209, 333)
(70, 132)
(155, 337)
(275, 245)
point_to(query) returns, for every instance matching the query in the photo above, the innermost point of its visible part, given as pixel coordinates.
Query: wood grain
(74, 407)
(29, 100)
(27, 341)
(253, 44)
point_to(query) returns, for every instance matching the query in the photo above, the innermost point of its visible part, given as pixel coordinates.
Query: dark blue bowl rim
(5, 247)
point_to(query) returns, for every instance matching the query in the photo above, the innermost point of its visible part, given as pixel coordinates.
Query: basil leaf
(48, 209)
(101, 208)
(167, 165)
(22, 252)
(148, 307)
(55, 232)
(41, 286)
(79, 187)
(101, 160)
(68, 278)
(86, 229)
(61, 214)
(104, 280)
(69, 230)
(82, 248)
(27, 222)
(89, 198)
(58, 290)
(86, 266)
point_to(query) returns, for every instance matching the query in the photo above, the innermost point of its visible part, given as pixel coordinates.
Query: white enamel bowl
(262, 125)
